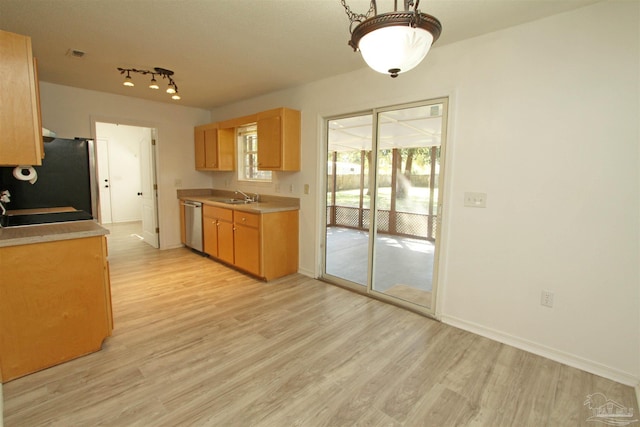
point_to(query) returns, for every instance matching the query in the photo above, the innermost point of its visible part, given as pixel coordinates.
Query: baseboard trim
(306, 272)
(548, 352)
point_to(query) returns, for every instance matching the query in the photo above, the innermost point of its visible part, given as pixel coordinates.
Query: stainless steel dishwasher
(193, 224)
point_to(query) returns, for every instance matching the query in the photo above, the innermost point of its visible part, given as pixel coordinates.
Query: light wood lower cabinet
(55, 303)
(217, 229)
(265, 245)
(247, 241)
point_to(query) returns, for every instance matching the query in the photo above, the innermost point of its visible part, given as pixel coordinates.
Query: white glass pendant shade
(395, 49)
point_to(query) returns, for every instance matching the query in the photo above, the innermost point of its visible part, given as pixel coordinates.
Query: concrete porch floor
(403, 266)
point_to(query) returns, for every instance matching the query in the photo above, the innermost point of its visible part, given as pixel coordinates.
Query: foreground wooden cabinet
(20, 124)
(55, 303)
(214, 148)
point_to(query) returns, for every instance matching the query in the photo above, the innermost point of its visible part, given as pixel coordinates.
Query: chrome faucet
(246, 197)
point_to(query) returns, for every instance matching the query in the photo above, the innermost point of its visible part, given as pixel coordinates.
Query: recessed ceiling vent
(75, 53)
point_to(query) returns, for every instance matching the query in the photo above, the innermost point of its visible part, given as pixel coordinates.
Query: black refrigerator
(65, 179)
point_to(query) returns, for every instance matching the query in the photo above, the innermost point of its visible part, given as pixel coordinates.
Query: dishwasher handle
(194, 204)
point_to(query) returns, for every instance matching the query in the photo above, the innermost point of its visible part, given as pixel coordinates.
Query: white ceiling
(225, 50)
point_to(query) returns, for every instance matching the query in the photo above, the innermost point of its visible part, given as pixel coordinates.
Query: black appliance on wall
(65, 179)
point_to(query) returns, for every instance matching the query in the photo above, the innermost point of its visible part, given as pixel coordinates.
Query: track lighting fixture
(172, 88)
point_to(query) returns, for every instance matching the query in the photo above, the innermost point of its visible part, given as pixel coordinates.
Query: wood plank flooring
(198, 344)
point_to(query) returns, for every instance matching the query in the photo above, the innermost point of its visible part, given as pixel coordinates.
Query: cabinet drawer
(247, 219)
(218, 213)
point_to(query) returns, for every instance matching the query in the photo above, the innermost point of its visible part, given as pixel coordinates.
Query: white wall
(544, 119)
(69, 112)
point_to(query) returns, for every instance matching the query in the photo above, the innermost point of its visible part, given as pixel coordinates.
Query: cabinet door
(247, 242)
(199, 148)
(270, 142)
(227, 149)
(21, 141)
(225, 241)
(54, 305)
(279, 140)
(210, 235)
(211, 149)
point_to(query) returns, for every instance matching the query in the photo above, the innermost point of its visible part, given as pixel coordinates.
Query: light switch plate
(475, 200)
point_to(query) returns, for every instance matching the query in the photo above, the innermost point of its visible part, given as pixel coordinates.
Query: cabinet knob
(244, 219)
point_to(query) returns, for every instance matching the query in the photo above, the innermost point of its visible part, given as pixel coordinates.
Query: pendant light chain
(359, 17)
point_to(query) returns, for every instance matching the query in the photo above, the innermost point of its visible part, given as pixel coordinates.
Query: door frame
(154, 133)
(443, 186)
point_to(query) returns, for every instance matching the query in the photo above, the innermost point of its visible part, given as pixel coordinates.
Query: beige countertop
(29, 234)
(267, 204)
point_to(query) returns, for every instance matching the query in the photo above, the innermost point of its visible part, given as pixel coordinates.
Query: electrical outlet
(546, 299)
(177, 182)
(290, 188)
(277, 188)
(306, 189)
(475, 200)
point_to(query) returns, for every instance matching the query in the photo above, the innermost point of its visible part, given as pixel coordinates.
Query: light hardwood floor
(198, 344)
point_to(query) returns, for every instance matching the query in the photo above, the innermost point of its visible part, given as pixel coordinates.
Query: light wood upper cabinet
(279, 140)
(214, 148)
(20, 125)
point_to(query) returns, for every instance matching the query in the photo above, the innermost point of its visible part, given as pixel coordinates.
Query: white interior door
(104, 185)
(149, 189)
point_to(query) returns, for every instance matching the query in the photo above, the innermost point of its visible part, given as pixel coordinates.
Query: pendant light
(394, 42)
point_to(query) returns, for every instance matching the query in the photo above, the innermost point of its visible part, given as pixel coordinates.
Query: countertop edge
(33, 234)
(254, 207)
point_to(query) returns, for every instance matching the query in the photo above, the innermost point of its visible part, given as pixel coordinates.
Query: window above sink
(247, 137)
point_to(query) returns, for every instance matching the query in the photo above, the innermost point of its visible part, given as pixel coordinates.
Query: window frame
(247, 160)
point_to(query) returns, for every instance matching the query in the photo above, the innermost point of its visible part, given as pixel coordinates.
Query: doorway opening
(126, 171)
(384, 201)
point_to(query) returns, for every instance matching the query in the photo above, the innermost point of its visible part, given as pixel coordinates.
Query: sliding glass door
(384, 181)
(348, 204)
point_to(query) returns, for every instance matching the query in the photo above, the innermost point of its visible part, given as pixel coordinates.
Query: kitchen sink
(236, 201)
